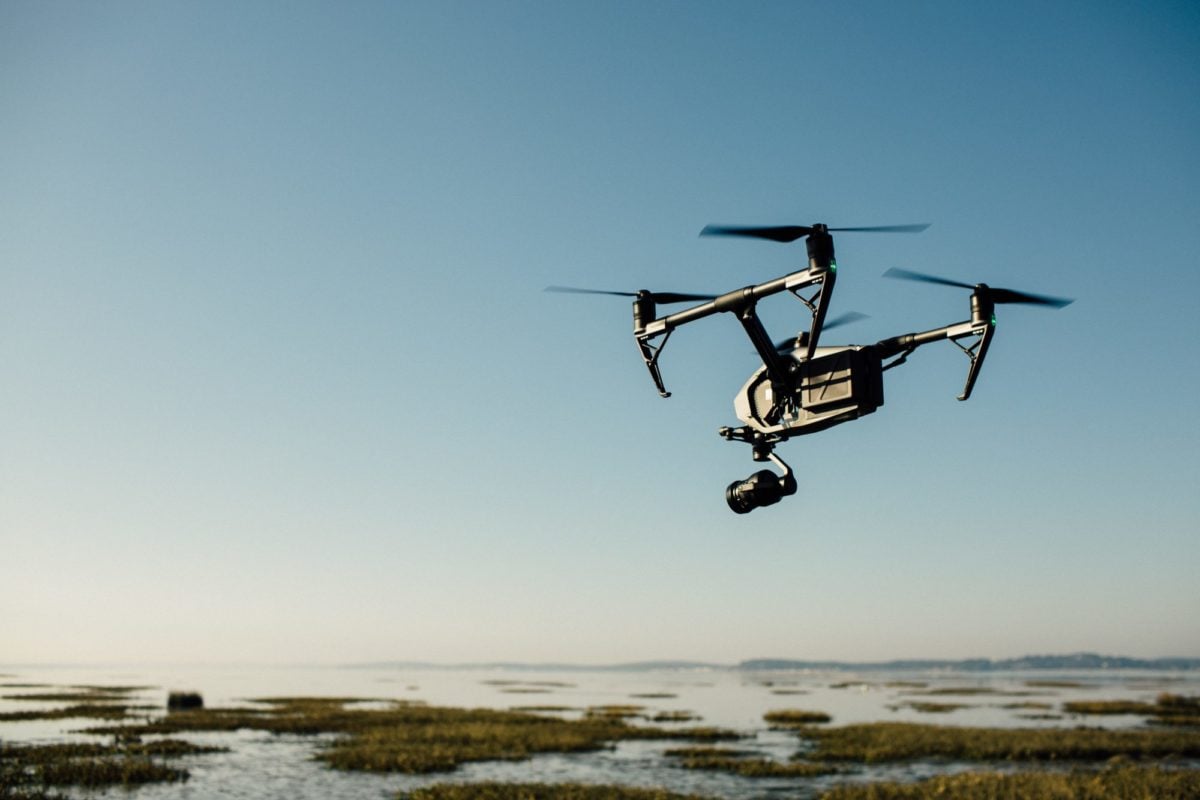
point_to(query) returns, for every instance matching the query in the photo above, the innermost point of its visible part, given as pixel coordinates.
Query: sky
(279, 382)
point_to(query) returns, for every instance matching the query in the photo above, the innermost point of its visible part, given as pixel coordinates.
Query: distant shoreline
(1073, 661)
(1029, 663)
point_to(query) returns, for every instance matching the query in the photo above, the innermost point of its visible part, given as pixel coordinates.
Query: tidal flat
(392, 732)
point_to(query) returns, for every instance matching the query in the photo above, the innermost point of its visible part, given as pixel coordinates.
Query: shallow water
(262, 765)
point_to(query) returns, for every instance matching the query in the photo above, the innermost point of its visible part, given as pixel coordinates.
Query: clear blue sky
(278, 380)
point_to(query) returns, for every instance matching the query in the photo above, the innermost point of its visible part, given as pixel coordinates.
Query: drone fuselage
(836, 385)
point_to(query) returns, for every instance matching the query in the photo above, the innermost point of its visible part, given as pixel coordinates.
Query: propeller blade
(997, 295)
(777, 233)
(886, 229)
(574, 290)
(790, 233)
(843, 319)
(909, 275)
(783, 345)
(658, 297)
(1009, 296)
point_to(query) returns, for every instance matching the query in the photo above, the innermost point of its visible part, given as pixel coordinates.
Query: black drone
(802, 388)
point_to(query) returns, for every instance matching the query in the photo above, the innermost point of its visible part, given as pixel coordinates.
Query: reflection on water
(264, 765)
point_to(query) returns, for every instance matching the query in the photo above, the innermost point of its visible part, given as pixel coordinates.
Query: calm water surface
(261, 765)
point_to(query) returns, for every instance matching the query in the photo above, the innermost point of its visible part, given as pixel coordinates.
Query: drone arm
(740, 302)
(906, 343)
(736, 301)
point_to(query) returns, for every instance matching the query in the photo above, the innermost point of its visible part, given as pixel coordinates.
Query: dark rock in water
(178, 701)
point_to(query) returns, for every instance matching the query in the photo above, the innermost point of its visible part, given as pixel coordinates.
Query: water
(262, 765)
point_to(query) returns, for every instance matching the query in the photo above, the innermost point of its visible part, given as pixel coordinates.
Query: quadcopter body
(802, 387)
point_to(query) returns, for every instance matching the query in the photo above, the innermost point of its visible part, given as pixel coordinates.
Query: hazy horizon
(571, 665)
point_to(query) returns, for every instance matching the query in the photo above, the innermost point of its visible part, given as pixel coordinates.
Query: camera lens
(761, 489)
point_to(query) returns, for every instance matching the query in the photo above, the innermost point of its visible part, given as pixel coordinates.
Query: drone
(802, 387)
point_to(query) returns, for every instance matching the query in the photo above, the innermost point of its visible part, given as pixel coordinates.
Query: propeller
(783, 345)
(997, 295)
(657, 297)
(790, 233)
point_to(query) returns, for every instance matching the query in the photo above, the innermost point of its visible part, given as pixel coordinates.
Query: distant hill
(1072, 661)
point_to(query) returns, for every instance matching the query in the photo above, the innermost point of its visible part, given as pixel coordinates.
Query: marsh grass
(971, 691)
(89, 702)
(89, 694)
(544, 709)
(411, 737)
(902, 741)
(785, 719)
(1168, 709)
(1050, 684)
(1119, 783)
(745, 763)
(29, 770)
(675, 716)
(707, 734)
(540, 791)
(616, 711)
(8, 685)
(929, 707)
(80, 711)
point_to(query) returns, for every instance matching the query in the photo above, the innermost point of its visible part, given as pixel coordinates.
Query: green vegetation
(707, 734)
(927, 707)
(1169, 709)
(90, 702)
(971, 691)
(1033, 705)
(1120, 783)
(54, 697)
(906, 684)
(411, 737)
(540, 791)
(28, 771)
(543, 709)
(25, 685)
(614, 711)
(744, 763)
(794, 717)
(80, 711)
(899, 741)
(1046, 684)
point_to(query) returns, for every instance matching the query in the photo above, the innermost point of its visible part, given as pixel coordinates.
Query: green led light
(993, 320)
(833, 266)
